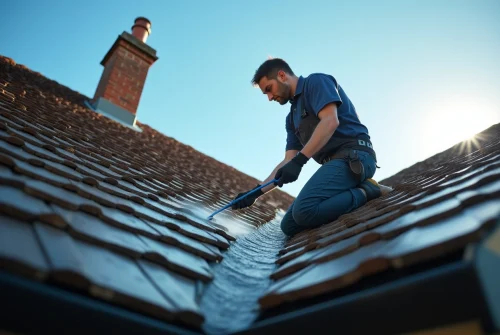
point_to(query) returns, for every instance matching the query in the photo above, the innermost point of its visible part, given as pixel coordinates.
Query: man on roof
(323, 125)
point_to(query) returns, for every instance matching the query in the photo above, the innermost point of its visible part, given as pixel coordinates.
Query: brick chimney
(126, 66)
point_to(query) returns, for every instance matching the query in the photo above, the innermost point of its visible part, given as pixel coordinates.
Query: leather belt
(352, 157)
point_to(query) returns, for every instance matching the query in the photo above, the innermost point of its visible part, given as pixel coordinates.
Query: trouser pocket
(361, 164)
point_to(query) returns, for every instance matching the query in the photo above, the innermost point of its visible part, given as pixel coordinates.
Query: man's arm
(329, 122)
(289, 154)
(324, 130)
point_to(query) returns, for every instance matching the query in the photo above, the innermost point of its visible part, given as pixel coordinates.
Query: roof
(127, 209)
(97, 216)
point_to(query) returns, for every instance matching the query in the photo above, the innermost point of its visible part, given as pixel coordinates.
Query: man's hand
(248, 200)
(289, 172)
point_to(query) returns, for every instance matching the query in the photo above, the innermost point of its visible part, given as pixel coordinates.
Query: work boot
(371, 188)
(385, 189)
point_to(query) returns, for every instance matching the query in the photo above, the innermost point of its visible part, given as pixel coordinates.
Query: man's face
(276, 89)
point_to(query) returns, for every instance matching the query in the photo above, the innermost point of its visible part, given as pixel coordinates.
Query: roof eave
(451, 293)
(51, 309)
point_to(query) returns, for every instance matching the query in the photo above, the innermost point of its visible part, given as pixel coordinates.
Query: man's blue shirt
(316, 91)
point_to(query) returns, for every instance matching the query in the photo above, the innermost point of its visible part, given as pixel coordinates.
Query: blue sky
(422, 75)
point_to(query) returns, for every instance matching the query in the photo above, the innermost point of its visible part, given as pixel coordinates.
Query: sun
(456, 120)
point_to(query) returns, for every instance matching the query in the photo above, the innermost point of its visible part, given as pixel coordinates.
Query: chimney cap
(141, 28)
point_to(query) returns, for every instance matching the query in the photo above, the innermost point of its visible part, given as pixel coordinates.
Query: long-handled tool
(238, 199)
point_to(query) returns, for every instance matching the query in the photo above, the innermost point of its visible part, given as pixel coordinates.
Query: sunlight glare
(456, 120)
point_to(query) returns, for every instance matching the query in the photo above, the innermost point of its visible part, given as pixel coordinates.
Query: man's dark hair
(270, 69)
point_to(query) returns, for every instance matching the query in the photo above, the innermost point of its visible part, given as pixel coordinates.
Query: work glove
(248, 200)
(289, 172)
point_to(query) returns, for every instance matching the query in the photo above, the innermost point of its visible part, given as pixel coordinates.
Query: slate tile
(84, 157)
(408, 203)
(119, 160)
(16, 151)
(102, 170)
(190, 245)
(461, 187)
(68, 143)
(20, 251)
(8, 176)
(63, 170)
(143, 186)
(135, 171)
(159, 183)
(9, 122)
(126, 186)
(46, 129)
(328, 276)
(201, 223)
(113, 277)
(147, 213)
(118, 170)
(39, 173)
(298, 263)
(42, 136)
(56, 195)
(116, 191)
(470, 172)
(26, 137)
(42, 153)
(486, 212)
(66, 261)
(95, 231)
(178, 290)
(89, 172)
(193, 232)
(127, 222)
(422, 243)
(177, 260)
(18, 204)
(416, 245)
(3, 133)
(158, 207)
(222, 242)
(95, 194)
(293, 254)
(67, 153)
(480, 194)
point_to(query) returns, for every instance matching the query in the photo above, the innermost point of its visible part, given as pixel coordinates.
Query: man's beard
(283, 93)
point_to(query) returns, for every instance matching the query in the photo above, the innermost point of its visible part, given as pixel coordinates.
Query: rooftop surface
(99, 211)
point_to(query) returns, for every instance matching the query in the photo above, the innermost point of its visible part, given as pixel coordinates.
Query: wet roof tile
(91, 228)
(19, 249)
(180, 292)
(16, 203)
(416, 245)
(106, 275)
(191, 245)
(177, 259)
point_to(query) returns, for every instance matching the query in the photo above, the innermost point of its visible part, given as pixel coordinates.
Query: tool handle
(243, 196)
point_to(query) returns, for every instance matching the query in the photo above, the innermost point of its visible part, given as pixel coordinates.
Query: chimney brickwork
(126, 67)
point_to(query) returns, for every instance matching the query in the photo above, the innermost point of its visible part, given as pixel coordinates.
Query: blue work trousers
(329, 193)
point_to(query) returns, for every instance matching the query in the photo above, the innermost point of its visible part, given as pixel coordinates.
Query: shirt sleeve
(292, 141)
(321, 91)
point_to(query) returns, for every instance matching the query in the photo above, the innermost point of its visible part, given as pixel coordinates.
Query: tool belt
(352, 157)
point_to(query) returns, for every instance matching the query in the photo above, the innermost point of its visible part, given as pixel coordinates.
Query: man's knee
(303, 215)
(287, 228)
